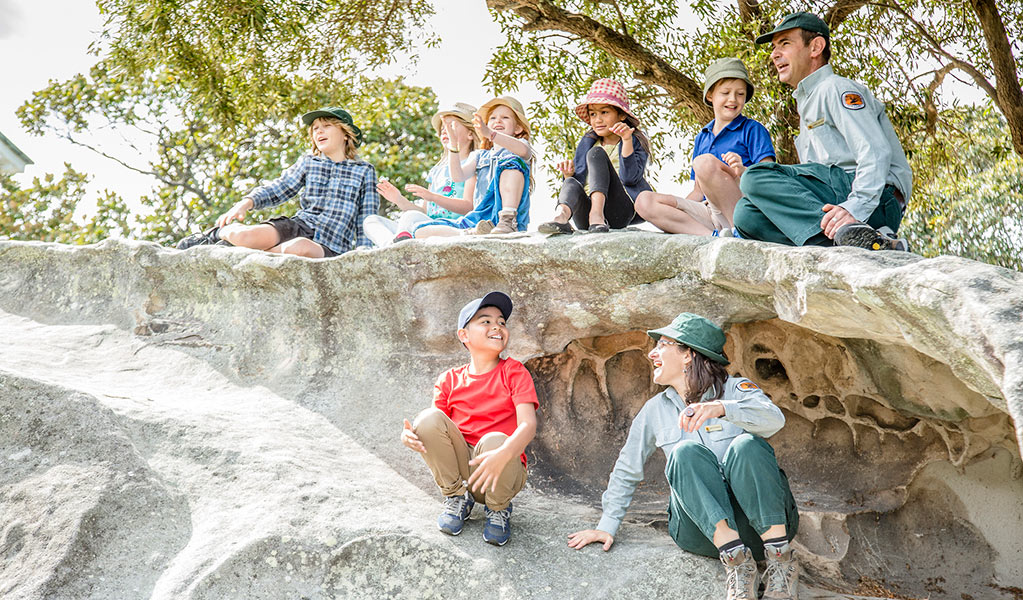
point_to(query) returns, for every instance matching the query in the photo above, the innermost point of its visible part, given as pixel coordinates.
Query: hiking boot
(861, 235)
(507, 222)
(497, 530)
(741, 583)
(782, 574)
(456, 511)
(199, 239)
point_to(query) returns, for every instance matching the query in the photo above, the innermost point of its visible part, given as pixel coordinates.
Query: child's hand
(734, 161)
(388, 191)
(567, 168)
(581, 539)
(237, 212)
(481, 126)
(417, 190)
(622, 130)
(410, 439)
(491, 464)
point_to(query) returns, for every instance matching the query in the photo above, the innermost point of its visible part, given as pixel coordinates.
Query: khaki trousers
(448, 456)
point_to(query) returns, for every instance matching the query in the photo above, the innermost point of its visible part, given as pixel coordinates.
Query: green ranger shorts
(782, 203)
(747, 489)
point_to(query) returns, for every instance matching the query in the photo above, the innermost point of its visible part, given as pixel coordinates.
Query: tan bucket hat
(460, 110)
(606, 91)
(725, 68)
(511, 103)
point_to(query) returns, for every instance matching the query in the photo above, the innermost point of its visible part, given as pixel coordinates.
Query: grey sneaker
(741, 583)
(456, 511)
(782, 574)
(861, 235)
(199, 239)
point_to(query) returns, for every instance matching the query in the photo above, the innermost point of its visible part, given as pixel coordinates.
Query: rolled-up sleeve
(627, 472)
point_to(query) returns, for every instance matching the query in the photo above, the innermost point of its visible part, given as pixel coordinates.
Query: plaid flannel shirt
(336, 196)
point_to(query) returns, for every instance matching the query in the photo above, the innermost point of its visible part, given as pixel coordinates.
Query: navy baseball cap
(498, 299)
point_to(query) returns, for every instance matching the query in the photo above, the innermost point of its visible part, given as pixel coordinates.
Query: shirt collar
(735, 124)
(676, 399)
(811, 81)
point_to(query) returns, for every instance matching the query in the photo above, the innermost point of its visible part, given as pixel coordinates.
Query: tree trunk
(1008, 95)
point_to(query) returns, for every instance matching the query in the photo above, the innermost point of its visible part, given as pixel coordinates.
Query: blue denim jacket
(747, 409)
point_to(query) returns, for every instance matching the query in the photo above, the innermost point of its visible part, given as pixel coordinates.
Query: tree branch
(1008, 94)
(543, 15)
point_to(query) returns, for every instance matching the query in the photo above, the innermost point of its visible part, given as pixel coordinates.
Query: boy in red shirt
(483, 416)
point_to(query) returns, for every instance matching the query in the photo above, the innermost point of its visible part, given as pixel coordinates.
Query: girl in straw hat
(729, 499)
(502, 168)
(445, 198)
(609, 168)
(722, 151)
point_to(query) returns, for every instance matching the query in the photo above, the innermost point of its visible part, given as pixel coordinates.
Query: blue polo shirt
(744, 136)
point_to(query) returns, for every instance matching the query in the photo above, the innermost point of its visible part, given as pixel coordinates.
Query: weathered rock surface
(222, 423)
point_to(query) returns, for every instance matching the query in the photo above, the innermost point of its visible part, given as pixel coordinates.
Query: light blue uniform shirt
(747, 409)
(841, 123)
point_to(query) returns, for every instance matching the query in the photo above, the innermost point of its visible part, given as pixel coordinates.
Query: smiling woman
(729, 498)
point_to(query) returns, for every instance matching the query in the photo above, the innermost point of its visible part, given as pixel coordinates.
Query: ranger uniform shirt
(747, 409)
(841, 123)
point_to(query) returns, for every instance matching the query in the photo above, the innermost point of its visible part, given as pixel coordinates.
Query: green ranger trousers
(782, 203)
(747, 489)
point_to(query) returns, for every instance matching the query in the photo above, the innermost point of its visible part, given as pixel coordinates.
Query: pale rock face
(222, 423)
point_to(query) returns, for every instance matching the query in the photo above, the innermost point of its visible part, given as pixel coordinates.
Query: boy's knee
(706, 165)
(644, 202)
(430, 419)
(491, 441)
(299, 247)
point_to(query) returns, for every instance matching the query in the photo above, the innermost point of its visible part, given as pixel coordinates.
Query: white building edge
(12, 160)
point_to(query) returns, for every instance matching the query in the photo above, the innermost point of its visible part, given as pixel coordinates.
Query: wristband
(455, 149)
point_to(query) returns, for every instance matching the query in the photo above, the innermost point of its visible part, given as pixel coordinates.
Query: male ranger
(852, 186)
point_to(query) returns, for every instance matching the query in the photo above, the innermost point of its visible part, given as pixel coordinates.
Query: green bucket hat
(696, 332)
(800, 20)
(725, 68)
(338, 113)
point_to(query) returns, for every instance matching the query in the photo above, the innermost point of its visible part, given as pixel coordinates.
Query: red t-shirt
(480, 404)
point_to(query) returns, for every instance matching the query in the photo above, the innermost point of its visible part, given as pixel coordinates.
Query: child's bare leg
(260, 237)
(511, 185)
(436, 231)
(662, 210)
(597, 200)
(719, 184)
(300, 247)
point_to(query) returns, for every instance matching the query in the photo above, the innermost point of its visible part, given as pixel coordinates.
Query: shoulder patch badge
(852, 101)
(747, 386)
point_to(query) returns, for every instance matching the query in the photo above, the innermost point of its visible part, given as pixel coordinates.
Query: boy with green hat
(729, 498)
(853, 182)
(722, 151)
(337, 192)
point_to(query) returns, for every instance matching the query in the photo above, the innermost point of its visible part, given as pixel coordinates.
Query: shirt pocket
(721, 432)
(667, 436)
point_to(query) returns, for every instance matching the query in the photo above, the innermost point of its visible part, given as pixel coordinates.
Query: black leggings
(619, 210)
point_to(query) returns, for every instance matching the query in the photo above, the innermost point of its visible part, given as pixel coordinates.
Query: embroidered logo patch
(747, 386)
(852, 101)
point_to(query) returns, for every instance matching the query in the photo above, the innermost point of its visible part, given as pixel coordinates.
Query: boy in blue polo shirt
(723, 150)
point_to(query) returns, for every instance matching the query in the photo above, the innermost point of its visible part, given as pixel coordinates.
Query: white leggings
(381, 230)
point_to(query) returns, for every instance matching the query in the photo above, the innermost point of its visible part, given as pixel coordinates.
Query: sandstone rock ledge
(222, 423)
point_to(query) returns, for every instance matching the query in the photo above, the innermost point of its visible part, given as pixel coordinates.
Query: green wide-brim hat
(798, 20)
(725, 68)
(696, 332)
(338, 113)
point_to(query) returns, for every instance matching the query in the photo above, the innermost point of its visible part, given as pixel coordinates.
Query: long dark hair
(703, 373)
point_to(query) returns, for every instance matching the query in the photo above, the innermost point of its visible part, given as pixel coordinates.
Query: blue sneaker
(497, 531)
(456, 511)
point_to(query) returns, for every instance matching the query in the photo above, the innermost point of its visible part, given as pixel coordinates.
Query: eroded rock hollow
(233, 415)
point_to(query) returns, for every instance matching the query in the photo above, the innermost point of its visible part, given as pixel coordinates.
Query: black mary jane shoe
(599, 228)
(554, 228)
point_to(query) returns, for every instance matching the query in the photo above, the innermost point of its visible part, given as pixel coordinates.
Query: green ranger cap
(338, 113)
(696, 332)
(799, 20)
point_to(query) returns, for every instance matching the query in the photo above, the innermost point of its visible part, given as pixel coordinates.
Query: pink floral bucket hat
(607, 91)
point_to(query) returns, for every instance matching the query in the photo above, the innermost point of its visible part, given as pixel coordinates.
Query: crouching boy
(483, 417)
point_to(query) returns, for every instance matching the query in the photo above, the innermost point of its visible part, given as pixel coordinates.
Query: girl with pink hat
(608, 171)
